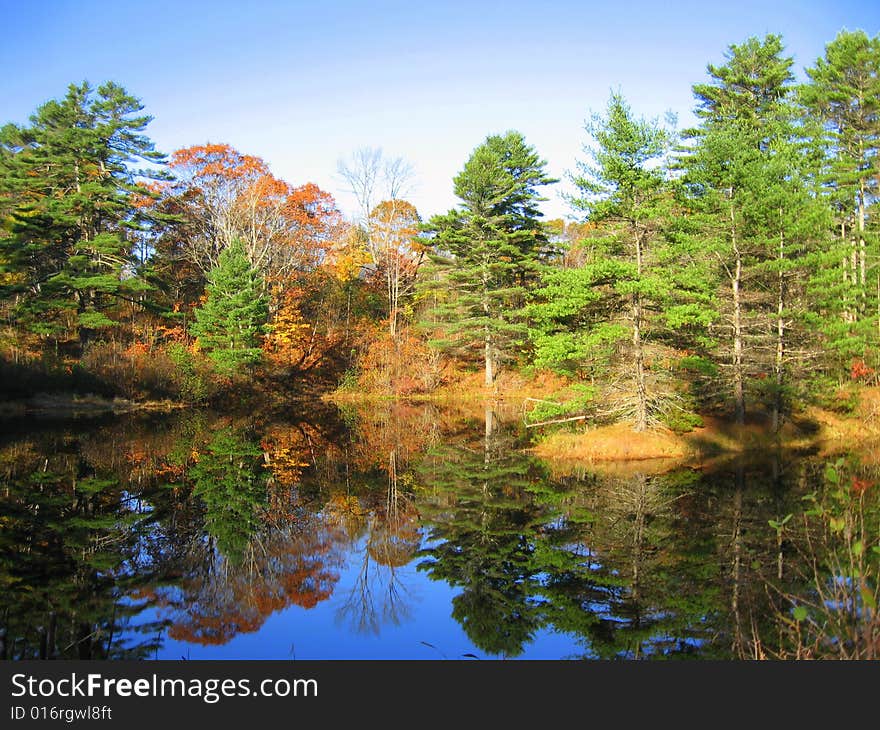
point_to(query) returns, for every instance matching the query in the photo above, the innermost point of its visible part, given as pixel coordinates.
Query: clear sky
(302, 84)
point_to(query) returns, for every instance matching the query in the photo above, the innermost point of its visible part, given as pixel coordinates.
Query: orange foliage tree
(307, 325)
(394, 238)
(228, 195)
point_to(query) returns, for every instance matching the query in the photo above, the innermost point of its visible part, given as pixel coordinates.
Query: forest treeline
(731, 267)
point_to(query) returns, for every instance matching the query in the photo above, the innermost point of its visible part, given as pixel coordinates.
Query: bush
(681, 421)
(404, 366)
(192, 375)
(138, 372)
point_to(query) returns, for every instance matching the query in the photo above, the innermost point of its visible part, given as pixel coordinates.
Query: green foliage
(566, 314)
(581, 402)
(95, 320)
(621, 181)
(67, 187)
(681, 421)
(191, 378)
(484, 254)
(349, 381)
(697, 364)
(229, 324)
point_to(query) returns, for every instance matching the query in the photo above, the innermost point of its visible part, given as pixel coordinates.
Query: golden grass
(617, 446)
(462, 385)
(617, 442)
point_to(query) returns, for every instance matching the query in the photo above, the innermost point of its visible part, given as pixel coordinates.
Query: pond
(395, 532)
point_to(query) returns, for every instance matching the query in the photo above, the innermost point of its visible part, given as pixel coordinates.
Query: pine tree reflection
(263, 551)
(485, 527)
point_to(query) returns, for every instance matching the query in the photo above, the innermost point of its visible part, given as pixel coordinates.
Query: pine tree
(788, 219)
(603, 317)
(621, 186)
(229, 324)
(484, 252)
(844, 93)
(67, 187)
(727, 176)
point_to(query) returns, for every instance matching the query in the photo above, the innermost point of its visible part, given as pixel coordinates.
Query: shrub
(192, 375)
(404, 366)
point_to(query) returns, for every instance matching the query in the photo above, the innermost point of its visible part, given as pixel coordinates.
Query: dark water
(406, 532)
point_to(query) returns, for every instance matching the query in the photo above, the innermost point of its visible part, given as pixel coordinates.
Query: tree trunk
(489, 345)
(780, 340)
(738, 385)
(847, 314)
(736, 286)
(863, 281)
(641, 419)
(489, 360)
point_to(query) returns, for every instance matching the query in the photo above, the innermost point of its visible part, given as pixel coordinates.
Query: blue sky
(302, 84)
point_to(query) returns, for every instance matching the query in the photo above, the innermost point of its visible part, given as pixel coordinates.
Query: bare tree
(362, 171)
(373, 178)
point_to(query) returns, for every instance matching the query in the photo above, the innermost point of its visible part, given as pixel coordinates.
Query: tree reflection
(294, 566)
(263, 550)
(485, 527)
(230, 480)
(198, 527)
(614, 572)
(67, 533)
(389, 524)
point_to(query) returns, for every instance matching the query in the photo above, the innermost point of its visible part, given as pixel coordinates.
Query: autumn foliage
(227, 195)
(404, 364)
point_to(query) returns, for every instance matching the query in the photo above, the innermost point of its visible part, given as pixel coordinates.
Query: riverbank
(815, 429)
(69, 405)
(812, 429)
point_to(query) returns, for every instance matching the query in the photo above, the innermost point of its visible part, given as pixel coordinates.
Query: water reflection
(142, 536)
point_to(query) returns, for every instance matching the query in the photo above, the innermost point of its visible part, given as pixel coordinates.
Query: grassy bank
(814, 429)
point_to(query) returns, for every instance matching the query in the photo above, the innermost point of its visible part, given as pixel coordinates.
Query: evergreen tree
(844, 93)
(228, 325)
(484, 252)
(634, 284)
(67, 190)
(620, 186)
(728, 178)
(789, 220)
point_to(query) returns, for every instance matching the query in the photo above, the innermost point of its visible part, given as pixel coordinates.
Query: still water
(402, 532)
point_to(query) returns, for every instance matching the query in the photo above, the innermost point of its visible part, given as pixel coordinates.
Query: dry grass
(617, 442)
(839, 434)
(510, 387)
